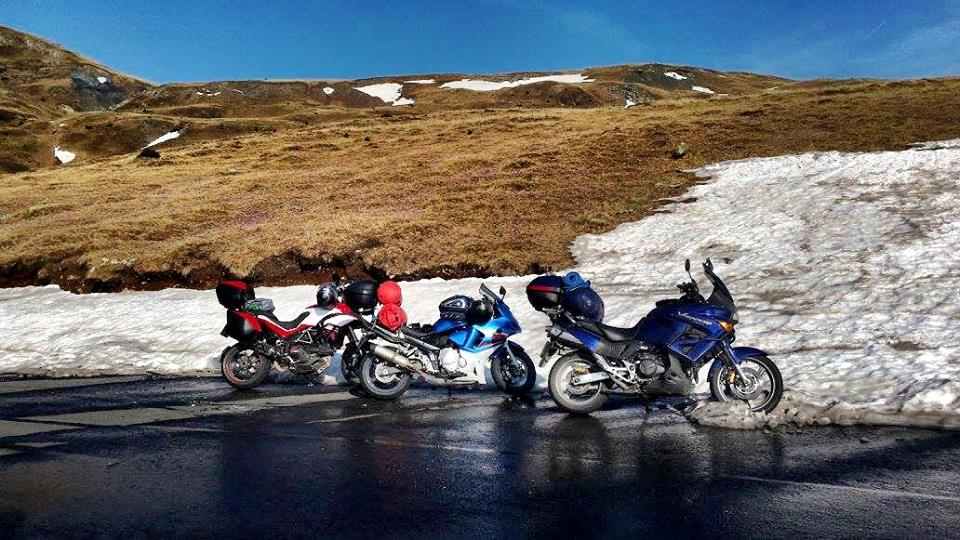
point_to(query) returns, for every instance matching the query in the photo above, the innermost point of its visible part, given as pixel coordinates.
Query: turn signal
(726, 325)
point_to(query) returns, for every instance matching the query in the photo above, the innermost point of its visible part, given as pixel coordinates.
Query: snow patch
(328, 90)
(702, 90)
(207, 93)
(163, 138)
(674, 75)
(63, 156)
(387, 92)
(843, 266)
(490, 86)
(103, 80)
(629, 103)
(421, 81)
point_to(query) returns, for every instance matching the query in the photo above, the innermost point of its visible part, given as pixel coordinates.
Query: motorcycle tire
(509, 381)
(574, 400)
(721, 389)
(378, 386)
(253, 376)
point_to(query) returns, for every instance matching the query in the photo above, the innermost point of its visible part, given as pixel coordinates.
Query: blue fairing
(480, 337)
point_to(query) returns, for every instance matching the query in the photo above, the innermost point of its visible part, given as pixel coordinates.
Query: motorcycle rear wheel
(379, 383)
(766, 388)
(580, 399)
(243, 368)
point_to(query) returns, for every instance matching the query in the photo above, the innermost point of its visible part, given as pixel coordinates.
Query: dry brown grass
(449, 193)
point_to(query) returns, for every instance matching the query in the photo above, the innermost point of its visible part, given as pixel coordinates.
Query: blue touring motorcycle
(660, 355)
(452, 352)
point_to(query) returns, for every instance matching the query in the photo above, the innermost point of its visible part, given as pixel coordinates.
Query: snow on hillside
(63, 156)
(674, 75)
(387, 92)
(702, 90)
(489, 86)
(169, 136)
(844, 266)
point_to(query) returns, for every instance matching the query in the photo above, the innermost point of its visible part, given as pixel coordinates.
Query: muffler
(389, 354)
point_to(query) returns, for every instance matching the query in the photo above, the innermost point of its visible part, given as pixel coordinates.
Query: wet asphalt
(194, 458)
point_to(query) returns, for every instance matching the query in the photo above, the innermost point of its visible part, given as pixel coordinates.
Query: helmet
(572, 280)
(389, 293)
(584, 302)
(392, 317)
(479, 312)
(327, 296)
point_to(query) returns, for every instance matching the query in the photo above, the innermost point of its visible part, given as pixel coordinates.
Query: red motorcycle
(304, 346)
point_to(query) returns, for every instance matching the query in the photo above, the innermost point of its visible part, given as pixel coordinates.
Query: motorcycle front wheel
(761, 390)
(383, 380)
(513, 377)
(580, 398)
(243, 367)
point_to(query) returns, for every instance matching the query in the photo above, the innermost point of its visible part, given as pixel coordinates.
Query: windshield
(720, 296)
(488, 293)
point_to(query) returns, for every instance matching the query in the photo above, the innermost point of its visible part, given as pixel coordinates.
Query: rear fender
(738, 354)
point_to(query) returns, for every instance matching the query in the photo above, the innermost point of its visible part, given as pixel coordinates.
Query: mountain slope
(284, 182)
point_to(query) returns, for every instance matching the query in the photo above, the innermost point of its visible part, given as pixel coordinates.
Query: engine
(309, 357)
(452, 362)
(647, 364)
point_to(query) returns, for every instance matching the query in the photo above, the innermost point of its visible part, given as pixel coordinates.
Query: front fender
(502, 351)
(738, 354)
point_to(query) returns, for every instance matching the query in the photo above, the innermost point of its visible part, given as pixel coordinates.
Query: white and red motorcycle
(304, 346)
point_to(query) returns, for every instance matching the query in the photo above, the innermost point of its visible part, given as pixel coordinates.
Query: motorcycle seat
(611, 333)
(286, 325)
(425, 333)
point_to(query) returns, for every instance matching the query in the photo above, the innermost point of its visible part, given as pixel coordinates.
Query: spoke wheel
(244, 368)
(515, 376)
(383, 380)
(575, 398)
(761, 386)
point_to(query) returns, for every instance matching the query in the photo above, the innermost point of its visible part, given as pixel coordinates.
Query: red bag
(392, 317)
(389, 293)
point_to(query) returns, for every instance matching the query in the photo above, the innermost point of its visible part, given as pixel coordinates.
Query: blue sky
(202, 40)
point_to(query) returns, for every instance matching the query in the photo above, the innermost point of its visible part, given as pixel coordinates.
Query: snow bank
(387, 92)
(674, 75)
(328, 90)
(490, 86)
(63, 156)
(421, 81)
(163, 138)
(845, 268)
(702, 90)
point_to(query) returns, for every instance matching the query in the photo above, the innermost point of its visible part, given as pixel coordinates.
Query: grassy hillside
(280, 182)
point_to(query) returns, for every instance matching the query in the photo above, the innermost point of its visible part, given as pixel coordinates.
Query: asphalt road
(191, 457)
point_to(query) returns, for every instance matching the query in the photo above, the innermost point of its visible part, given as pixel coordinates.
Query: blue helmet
(584, 302)
(572, 280)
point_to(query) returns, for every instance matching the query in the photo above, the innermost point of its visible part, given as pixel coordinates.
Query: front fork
(729, 358)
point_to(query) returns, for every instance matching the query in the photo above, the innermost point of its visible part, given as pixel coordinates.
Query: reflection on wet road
(194, 458)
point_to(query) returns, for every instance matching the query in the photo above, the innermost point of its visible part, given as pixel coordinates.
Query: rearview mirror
(708, 266)
(686, 265)
(335, 278)
(503, 292)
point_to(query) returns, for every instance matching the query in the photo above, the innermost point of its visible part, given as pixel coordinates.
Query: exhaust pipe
(389, 354)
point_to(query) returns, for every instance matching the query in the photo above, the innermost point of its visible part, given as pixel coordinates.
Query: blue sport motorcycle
(452, 352)
(660, 355)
